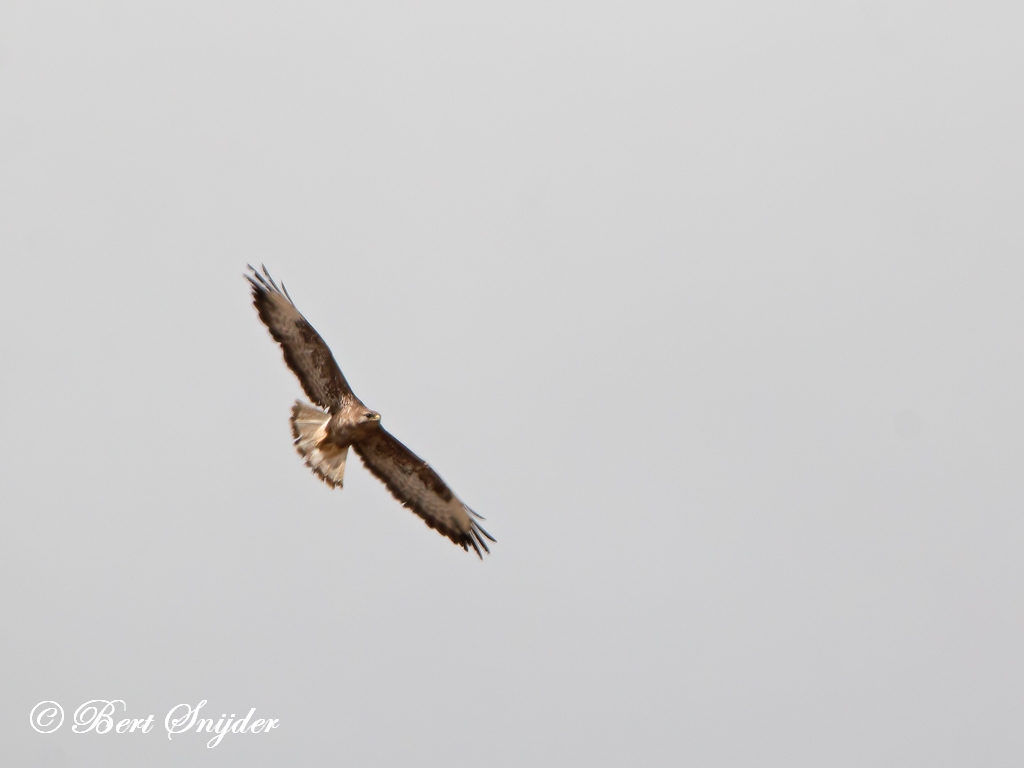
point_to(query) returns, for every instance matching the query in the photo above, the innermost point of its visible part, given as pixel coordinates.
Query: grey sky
(712, 309)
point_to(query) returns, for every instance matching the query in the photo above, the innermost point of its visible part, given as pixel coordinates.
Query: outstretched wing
(304, 350)
(418, 487)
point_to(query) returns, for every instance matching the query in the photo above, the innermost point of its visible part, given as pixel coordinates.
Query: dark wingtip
(265, 283)
(477, 540)
(260, 286)
(476, 527)
(271, 279)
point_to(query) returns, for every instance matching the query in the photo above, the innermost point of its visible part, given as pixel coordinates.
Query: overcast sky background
(714, 310)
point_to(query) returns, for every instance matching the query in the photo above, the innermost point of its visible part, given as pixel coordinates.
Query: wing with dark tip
(418, 487)
(304, 350)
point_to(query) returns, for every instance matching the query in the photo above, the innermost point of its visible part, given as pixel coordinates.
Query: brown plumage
(323, 438)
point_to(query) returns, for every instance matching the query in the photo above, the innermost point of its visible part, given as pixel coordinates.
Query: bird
(323, 435)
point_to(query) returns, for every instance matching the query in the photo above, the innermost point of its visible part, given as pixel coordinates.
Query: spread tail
(309, 428)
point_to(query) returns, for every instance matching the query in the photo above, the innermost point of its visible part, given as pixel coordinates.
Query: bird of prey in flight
(323, 437)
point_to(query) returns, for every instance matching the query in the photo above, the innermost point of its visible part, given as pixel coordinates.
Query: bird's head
(371, 417)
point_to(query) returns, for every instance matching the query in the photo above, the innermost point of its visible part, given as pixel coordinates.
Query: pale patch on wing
(420, 488)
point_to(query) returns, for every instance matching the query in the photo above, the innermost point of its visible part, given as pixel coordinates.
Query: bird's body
(323, 437)
(352, 423)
